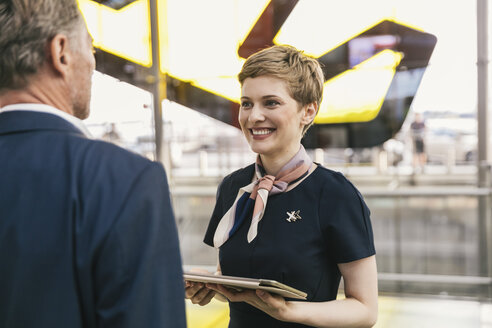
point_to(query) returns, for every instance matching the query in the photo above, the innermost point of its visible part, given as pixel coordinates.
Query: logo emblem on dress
(293, 216)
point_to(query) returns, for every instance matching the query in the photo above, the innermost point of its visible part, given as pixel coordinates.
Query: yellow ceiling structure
(199, 43)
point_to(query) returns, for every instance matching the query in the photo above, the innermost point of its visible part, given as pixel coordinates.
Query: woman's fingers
(222, 290)
(203, 296)
(193, 289)
(274, 305)
(268, 298)
(233, 295)
(207, 298)
(190, 289)
(198, 293)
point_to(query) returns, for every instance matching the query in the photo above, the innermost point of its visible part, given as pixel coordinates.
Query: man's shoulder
(109, 151)
(103, 150)
(105, 159)
(109, 174)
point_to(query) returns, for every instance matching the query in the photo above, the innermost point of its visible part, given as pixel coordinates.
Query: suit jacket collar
(19, 121)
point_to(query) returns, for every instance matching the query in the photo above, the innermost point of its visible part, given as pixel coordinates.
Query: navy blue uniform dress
(334, 227)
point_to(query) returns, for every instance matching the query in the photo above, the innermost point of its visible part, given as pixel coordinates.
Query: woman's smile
(261, 133)
(270, 118)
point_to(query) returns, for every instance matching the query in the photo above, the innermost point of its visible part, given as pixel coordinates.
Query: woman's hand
(273, 305)
(198, 293)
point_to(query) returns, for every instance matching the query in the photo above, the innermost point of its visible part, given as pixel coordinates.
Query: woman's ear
(309, 112)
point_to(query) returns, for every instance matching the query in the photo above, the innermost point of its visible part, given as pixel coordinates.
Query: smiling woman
(271, 120)
(286, 218)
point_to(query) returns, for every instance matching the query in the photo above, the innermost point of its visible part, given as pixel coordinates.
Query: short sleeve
(345, 221)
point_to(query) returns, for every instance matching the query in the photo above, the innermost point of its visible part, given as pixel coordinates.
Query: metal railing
(428, 239)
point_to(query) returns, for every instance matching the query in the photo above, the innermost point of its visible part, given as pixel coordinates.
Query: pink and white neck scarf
(265, 185)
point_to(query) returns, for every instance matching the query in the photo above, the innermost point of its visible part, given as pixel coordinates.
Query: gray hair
(27, 26)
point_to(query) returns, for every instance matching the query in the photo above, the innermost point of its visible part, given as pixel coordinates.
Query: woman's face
(270, 118)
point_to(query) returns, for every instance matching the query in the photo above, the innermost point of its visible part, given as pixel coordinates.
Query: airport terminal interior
(166, 87)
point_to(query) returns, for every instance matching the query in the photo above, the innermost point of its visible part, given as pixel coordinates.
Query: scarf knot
(255, 195)
(269, 183)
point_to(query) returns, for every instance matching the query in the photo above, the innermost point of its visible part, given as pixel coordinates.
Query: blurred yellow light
(124, 33)
(317, 26)
(227, 87)
(199, 41)
(250, 13)
(203, 40)
(356, 95)
(90, 12)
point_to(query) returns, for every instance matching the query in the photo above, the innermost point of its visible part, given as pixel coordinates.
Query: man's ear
(60, 54)
(309, 112)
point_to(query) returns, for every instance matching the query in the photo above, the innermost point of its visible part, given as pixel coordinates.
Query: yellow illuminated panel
(356, 95)
(162, 18)
(203, 38)
(228, 88)
(202, 48)
(251, 16)
(318, 26)
(124, 33)
(199, 42)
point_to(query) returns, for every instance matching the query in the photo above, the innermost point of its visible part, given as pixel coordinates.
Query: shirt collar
(43, 108)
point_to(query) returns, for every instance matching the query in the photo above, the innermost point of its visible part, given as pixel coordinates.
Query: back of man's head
(27, 26)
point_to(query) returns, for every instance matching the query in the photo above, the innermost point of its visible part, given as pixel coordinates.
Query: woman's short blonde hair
(303, 74)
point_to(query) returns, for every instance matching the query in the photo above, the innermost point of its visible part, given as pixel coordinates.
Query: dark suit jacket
(87, 233)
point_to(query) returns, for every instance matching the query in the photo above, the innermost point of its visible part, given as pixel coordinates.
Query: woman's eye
(245, 104)
(271, 103)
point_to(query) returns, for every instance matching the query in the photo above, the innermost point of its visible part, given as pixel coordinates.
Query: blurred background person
(87, 233)
(417, 130)
(112, 134)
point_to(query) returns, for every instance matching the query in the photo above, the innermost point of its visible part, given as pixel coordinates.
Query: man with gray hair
(87, 232)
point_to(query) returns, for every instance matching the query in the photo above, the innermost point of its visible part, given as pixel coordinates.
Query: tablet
(240, 283)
